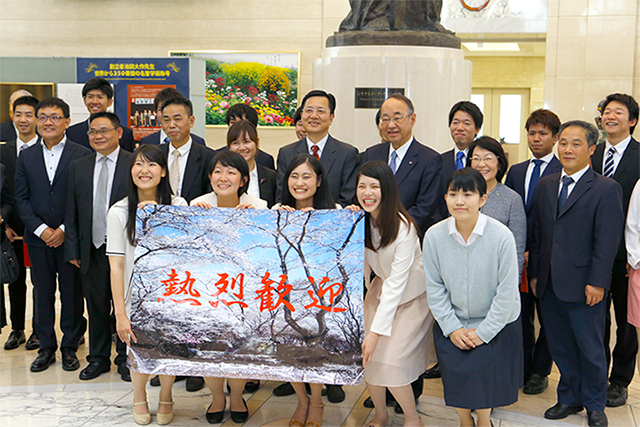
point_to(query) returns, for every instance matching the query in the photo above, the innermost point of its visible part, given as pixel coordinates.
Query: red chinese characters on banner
(271, 297)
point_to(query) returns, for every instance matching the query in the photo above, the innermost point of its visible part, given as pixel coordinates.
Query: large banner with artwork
(136, 82)
(249, 293)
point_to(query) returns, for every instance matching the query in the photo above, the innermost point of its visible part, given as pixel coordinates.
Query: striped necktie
(608, 164)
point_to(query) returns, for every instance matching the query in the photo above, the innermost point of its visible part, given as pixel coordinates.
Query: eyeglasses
(386, 120)
(311, 110)
(103, 131)
(485, 160)
(55, 119)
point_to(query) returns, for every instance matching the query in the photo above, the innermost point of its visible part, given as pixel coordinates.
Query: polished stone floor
(58, 398)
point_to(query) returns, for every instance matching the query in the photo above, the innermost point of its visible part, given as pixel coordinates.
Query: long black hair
(150, 153)
(391, 210)
(233, 160)
(322, 199)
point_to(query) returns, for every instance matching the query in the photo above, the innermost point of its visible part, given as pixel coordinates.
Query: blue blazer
(154, 139)
(78, 133)
(515, 180)
(576, 246)
(418, 178)
(38, 201)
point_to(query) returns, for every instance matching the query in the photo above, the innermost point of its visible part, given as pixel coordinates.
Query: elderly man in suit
(95, 183)
(578, 225)
(619, 158)
(542, 134)
(97, 94)
(339, 160)
(41, 195)
(24, 120)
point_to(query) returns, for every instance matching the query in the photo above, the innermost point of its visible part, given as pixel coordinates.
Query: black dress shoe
(93, 370)
(432, 372)
(560, 411)
(33, 343)
(70, 361)
(155, 381)
(15, 339)
(284, 389)
(335, 393)
(616, 395)
(239, 417)
(536, 384)
(597, 419)
(252, 386)
(125, 374)
(214, 417)
(194, 383)
(45, 358)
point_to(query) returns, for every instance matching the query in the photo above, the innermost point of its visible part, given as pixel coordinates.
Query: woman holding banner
(229, 175)
(148, 184)
(397, 343)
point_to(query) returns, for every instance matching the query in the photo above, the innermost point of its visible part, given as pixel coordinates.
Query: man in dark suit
(416, 166)
(578, 225)
(24, 119)
(618, 158)
(339, 160)
(160, 137)
(238, 112)
(8, 129)
(98, 96)
(96, 182)
(41, 195)
(542, 134)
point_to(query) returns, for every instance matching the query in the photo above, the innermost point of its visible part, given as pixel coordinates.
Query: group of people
(455, 260)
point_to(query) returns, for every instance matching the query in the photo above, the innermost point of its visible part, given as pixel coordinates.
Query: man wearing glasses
(88, 201)
(339, 160)
(41, 195)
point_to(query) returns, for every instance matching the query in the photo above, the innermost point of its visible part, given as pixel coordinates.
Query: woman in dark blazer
(242, 138)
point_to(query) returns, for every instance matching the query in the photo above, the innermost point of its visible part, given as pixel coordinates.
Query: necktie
(24, 147)
(98, 226)
(174, 172)
(315, 149)
(564, 192)
(608, 164)
(533, 182)
(166, 140)
(459, 162)
(392, 161)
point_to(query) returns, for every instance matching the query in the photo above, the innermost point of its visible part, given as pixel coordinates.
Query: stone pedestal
(434, 78)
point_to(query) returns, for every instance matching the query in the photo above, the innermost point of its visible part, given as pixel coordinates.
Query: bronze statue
(394, 15)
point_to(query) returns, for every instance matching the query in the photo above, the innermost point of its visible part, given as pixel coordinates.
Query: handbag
(10, 266)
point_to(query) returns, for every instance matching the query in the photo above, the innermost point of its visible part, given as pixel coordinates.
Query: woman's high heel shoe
(293, 422)
(164, 419)
(141, 419)
(311, 423)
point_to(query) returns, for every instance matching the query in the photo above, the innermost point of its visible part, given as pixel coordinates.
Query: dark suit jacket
(6, 204)
(38, 201)
(267, 182)
(78, 133)
(418, 178)
(79, 214)
(195, 181)
(339, 160)
(9, 159)
(515, 181)
(7, 131)
(627, 174)
(448, 167)
(577, 246)
(154, 139)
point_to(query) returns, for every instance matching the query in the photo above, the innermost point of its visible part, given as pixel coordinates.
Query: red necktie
(315, 150)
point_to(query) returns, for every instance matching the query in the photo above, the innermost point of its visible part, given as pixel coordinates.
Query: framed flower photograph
(268, 81)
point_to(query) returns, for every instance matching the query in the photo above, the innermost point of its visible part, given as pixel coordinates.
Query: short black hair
(243, 112)
(98, 83)
(626, 100)
(469, 108)
(234, 160)
(179, 101)
(546, 118)
(115, 121)
(467, 179)
(591, 132)
(378, 117)
(163, 95)
(54, 102)
(297, 116)
(493, 146)
(318, 92)
(26, 100)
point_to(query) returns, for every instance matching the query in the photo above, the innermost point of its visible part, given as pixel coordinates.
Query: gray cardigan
(473, 286)
(505, 205)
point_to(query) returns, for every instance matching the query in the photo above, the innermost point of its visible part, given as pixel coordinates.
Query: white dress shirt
(632, 229)
(51, 161)
(617, 155)
(182, 161)
(320, 145)
(254, 183)
(20, 144)
(400, 152)
(456, 150)
(478, 230)
(576, 177)
(545, 162)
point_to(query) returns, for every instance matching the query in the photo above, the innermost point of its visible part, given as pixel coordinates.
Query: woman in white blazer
(398, 324)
